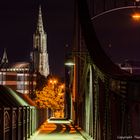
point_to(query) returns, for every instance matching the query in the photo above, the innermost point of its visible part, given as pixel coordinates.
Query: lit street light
(136, 16)
(71, 83)
(53, 81)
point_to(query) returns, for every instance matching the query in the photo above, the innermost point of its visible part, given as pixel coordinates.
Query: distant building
(39, 54)
(21, 76)
(18, 77)
(132, 67)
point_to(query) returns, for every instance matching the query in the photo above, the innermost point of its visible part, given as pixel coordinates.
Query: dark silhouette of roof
(15, 65)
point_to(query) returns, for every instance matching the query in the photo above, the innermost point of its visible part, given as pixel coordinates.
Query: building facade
(40, 55)
(18, 77)
(21, 76)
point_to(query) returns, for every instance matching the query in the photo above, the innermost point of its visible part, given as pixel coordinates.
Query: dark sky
(119, 35)
(18, 23)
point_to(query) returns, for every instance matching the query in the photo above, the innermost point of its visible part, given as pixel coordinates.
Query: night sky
(118, 33)
(18, 23)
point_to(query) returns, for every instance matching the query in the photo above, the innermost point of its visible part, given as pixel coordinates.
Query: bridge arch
(93, 45)
(110, 84)
(113, 10)
(97, 7)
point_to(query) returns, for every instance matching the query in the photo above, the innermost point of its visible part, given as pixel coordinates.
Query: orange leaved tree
(51, 95)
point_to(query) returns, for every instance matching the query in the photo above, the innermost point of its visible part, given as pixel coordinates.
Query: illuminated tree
(51, 96)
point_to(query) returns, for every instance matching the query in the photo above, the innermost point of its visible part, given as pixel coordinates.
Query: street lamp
(53, 81)
(136, 16)
(69, 60)
(69, 63)
(72, 83)
(81, 55)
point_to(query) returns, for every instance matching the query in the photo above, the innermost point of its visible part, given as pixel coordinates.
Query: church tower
(40, 55)
(4, 59)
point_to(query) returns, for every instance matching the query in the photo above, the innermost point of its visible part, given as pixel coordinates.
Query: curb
(84, 134)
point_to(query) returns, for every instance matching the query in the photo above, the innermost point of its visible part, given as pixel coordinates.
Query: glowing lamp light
(62, 86)
(69, 64)
(53, 81)
(136, 16)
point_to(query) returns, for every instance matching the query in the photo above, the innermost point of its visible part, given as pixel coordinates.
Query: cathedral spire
(40, 22)
(4, 59)
(40, 55)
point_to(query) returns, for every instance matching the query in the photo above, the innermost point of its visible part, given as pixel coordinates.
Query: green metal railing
(19, 123)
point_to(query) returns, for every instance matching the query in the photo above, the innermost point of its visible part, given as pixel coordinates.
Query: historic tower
(40, 55)
(4, 59)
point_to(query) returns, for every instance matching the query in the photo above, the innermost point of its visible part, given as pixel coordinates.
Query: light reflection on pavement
(57, 130)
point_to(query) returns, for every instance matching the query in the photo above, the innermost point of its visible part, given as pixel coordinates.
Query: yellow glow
(62, 86)
(49, 131)
(53, 81)
(136, 16)
(69, 64)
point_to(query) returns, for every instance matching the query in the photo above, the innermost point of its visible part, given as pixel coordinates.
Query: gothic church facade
(40, 55)
(21, 76)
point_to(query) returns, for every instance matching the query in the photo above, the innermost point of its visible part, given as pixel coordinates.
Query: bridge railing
(19, 123)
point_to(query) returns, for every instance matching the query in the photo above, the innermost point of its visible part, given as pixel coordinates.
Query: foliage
(51, 95)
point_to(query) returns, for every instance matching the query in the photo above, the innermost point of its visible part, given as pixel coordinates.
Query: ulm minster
(98, 98)
(17, 75)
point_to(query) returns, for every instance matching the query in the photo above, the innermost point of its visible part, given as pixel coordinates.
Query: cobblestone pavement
(57, 130)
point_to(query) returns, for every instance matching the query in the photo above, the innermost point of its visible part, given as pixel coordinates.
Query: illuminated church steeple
(40, 27)
(40, 55)
(4, 59)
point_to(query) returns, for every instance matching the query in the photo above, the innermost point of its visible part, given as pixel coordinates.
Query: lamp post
(68, 72)
(72, 85)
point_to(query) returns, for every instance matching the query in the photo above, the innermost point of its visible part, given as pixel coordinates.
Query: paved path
(57, 130)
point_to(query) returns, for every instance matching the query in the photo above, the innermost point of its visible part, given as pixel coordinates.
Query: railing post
(23, 127)
(11, 117)
(30, 121)
(26, 122)
(3, 123)
(17, 124)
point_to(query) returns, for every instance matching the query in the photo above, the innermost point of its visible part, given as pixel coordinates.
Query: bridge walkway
(57, 130)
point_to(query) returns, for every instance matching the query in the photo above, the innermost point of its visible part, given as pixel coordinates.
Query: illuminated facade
(40, 55)
(18, 77)
(132, 67)
(21, 76)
